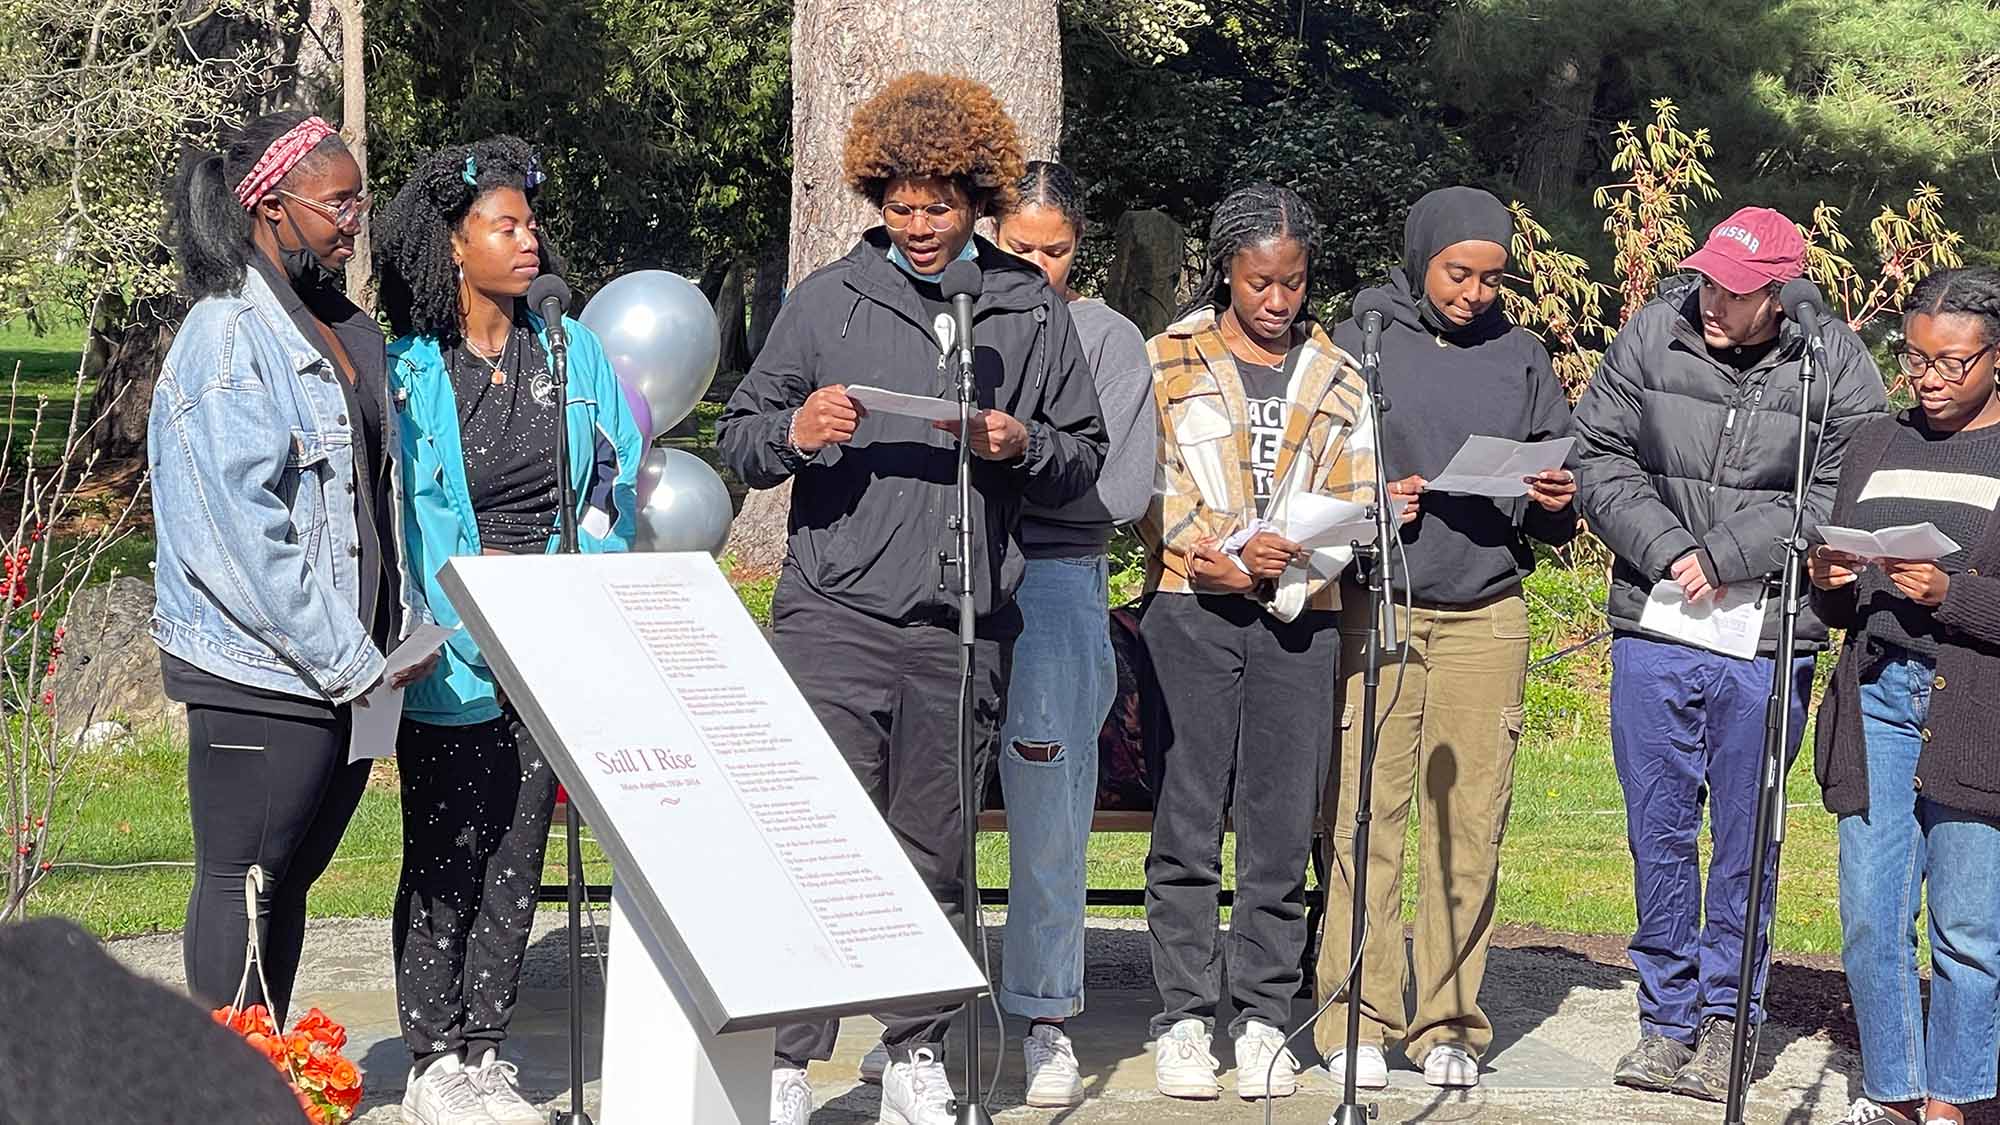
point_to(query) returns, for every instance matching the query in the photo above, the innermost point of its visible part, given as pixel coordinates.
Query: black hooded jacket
(1678, 452)
(870, 518)
(1445, 384)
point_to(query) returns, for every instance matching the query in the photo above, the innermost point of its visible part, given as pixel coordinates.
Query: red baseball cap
(1753, 248)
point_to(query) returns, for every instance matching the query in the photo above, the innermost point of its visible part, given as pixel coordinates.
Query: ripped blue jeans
(1064, 679)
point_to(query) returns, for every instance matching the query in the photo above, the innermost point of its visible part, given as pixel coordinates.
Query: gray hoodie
(1124, 379)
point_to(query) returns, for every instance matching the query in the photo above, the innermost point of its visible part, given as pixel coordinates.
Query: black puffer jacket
(1677, 452)
(870, 518)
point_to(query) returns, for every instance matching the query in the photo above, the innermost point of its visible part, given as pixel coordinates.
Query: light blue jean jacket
(257, 568)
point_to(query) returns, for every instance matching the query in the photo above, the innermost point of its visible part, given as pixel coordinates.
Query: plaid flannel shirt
(1204, 491)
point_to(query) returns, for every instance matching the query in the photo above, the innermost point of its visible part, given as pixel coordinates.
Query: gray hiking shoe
(1653, 1064)
(1706, 1074)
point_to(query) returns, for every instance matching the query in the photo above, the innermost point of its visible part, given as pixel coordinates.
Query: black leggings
(271, 791)
(476, 806)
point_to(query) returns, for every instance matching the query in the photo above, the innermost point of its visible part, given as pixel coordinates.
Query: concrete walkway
(1561, 1022)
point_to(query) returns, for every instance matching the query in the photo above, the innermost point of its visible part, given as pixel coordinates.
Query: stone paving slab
(1560, 1024)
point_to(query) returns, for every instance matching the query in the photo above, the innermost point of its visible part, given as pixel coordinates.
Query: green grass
(47, 365)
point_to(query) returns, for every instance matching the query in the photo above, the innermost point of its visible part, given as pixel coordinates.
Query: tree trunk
(354, 130)
(843, 52)
(1553, 156)
(128, 344)
(767, 293)
(729, 312)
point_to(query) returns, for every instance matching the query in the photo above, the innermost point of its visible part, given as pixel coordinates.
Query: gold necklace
(1261, 355)
(494, 361)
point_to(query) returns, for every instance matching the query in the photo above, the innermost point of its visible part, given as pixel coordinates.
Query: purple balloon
(642, 412)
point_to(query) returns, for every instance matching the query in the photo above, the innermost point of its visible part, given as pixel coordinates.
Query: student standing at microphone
(1686, 443)
(864, 617)
(1452, 366)
(472, 376)
(1257, 407)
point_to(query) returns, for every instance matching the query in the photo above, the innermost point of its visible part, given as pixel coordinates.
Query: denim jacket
(605, 448)
(257, 569)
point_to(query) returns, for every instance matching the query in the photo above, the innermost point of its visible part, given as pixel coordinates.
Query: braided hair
(413, 234)
(1252, 216)
(1052, 185)
(214, 228)
(1972, 291)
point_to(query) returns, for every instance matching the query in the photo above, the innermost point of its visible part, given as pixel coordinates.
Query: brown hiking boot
(1652, 1065)
(1706, 1074)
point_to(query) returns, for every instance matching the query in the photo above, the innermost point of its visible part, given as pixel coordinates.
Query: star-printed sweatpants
(476, 806)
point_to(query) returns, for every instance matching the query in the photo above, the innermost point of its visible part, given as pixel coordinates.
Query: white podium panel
(744, 849)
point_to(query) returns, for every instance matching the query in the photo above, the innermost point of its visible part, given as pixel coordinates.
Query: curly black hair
(1972, 291)
(1252, 216)
(1052, 185)
(935, 125)
(413, 234)
(214, 228)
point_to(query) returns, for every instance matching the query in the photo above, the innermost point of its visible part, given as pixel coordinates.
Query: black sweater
(1464, 550)
(1957, 768)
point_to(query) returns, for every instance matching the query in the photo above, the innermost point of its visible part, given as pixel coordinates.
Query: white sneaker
(1371, 1071)
(444, 1095)
(791, 1096)
(499, 1083)
(1183, 1066)
(1054, 1081)
(1265, 1068)
(874, 1063)
(1451, 1066)
(917, 1092)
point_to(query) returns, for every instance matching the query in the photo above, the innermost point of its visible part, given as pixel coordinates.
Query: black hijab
(1440, 220)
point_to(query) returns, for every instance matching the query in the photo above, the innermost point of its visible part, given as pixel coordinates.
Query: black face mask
(302, 267)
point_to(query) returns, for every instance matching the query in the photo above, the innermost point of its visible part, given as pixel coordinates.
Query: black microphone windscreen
(1374, 301)
(962, 279)
(1798, 291)
(546, 286)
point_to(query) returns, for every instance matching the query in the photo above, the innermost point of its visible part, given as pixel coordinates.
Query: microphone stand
(1768, 833)
(969, 1110)
(1371, 561)
(573, 823)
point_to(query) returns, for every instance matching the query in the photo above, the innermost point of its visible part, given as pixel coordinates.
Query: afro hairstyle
(936, 125)
(413, 234)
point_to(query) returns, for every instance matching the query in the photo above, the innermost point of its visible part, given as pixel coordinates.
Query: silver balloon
(661, 336)
(683, 505)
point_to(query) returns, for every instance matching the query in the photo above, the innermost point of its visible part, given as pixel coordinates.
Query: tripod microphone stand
(962, 283)
(1806, 305)
(1371, 561)
(549, 296)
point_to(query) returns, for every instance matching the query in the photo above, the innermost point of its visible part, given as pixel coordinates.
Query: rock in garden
(1144, 279)
(110, 670)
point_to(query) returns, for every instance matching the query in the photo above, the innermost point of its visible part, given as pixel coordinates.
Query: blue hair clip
(534, 178)
(471, 171)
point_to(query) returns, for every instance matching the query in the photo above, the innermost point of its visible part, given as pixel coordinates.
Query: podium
(755, 884)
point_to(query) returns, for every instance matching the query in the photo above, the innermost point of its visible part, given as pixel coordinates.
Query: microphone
(549, 296)
(1803, 302)
(1372, 309)
(962, 283)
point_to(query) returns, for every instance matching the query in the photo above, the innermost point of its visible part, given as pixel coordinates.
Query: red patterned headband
(279, 160)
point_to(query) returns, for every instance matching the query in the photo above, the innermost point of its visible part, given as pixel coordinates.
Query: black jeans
(476, 806)
(888, 697)
(271, 791)
(1244, 725)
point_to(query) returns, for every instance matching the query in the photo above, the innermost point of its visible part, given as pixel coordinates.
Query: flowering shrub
(327, 1084)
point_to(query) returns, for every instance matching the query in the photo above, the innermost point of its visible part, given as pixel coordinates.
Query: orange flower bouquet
(327, 1084)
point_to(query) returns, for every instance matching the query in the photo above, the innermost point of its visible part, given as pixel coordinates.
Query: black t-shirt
(507, 435)
(1264, 393)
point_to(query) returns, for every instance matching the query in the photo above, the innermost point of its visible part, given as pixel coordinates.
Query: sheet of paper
(880, 401)
(1496, 467)
(1729, 623)
(1918, 542)
(374, 726)
(1316, 521)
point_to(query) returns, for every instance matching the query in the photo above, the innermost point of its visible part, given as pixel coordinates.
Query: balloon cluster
(661, 337)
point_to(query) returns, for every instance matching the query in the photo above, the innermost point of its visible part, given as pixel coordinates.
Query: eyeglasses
(1950, 368)
(344, 215)
(939, 217)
